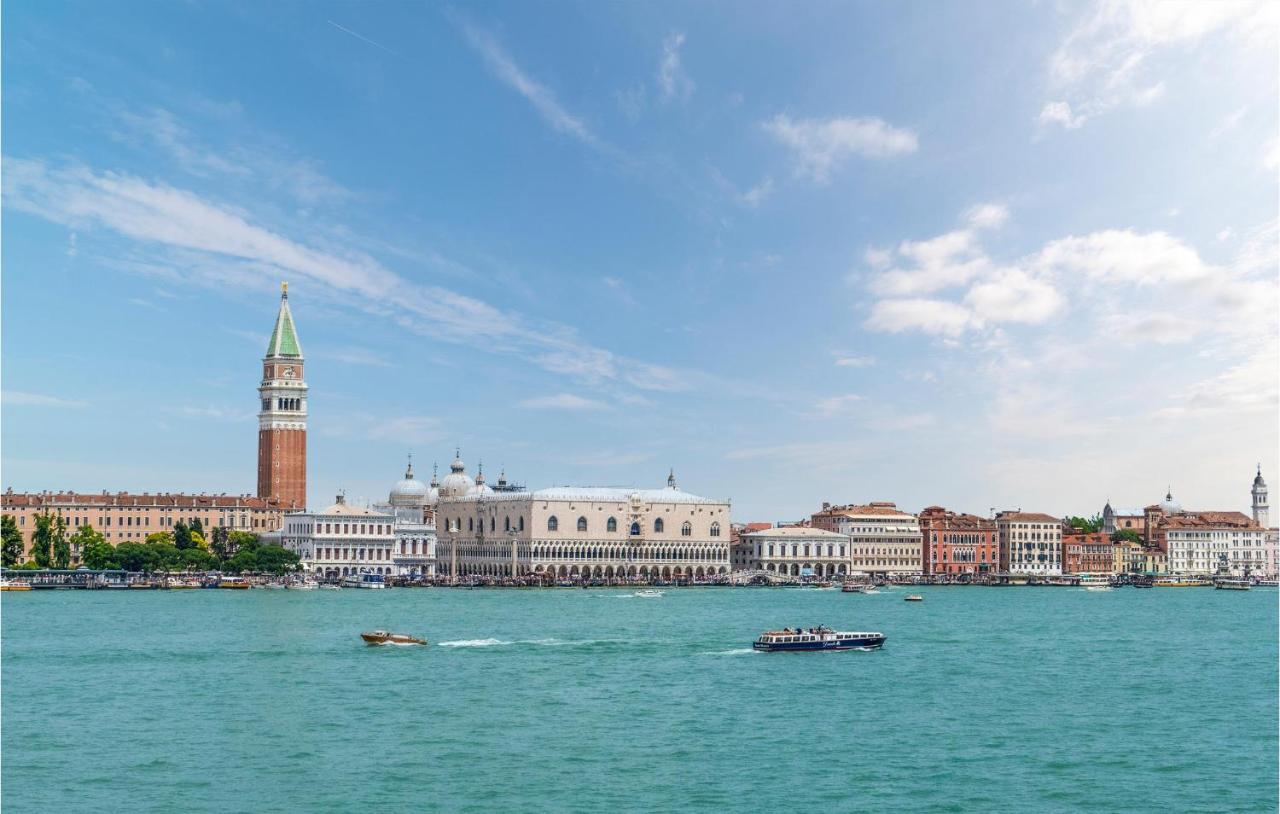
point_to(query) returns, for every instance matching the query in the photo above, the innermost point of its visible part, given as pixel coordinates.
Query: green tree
(164, 557)
(275, 559)
(195, 559)
(1090, 526)
(1126, 535)
(243, 560)
(133, 556)
(197, 541)
(197, 527)
(86, 539)
(160, 537)
(181, 535)
(219, 544)
(95, 551)
(238, 540)
(10, 541)
(42, 540)
(61, 546)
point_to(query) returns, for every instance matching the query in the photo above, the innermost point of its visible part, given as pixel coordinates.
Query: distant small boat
(1225, 584)
(275, 586)
(383, 637)
(913, 598)
(13, 585)
(234, 583)
(329, 586)
(648, 593)
(175, 584)
(304, 585)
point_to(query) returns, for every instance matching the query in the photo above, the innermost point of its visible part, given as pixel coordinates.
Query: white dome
(457, 483)
(480, 488)
(1169, 505)
(409, 492)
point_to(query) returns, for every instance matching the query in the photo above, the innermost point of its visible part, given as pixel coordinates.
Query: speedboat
(913, 598)
(648, 592)
(383, 637)
(816, 638)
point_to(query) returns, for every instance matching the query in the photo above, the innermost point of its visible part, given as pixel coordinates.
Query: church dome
(1169, 505)
(1257, 479)
(409, 491)
(457, 483)
(480, 487)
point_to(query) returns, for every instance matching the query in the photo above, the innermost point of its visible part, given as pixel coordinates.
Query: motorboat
(14, 585)
(381, 637)
(364, 580)
(275, 586)
(1095, 582)
(816, 639)
(1228, 584)
(913, 598)
(177, 584)
(648, 593)
(304, 585)
(329, 586)
(233, 583)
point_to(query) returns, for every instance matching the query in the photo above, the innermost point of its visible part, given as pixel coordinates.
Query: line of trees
(183, 549)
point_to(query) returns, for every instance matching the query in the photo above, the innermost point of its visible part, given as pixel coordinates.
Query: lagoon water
(1017, 699)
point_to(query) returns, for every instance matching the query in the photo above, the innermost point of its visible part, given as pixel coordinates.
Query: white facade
(579, 532)
(1030, 543)
(882, 538)
(341, 540)
(1198, 546)
(411, 504)
(799, 551)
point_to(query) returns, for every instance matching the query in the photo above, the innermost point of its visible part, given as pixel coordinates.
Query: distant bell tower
(1260, 513)
(282, 419)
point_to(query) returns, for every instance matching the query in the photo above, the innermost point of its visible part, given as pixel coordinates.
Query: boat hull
(394, 638)
(861, 643)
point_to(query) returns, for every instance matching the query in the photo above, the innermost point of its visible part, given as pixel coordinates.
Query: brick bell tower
(282, 421)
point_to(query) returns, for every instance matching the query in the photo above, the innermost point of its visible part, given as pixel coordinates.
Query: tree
(95, 551)
(219, 545)
(164, 557)
(197, 527)
(195, 559)
(242, 539)
(1090, 526)
(1126, 535)
(197, 541)
(61, 546)
(276, 559)
(133, 556)
(11, 545)
(243, 560)
(159, 537)
(42, 540)
(181, 535)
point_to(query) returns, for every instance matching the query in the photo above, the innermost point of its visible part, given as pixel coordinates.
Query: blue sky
(978, 255)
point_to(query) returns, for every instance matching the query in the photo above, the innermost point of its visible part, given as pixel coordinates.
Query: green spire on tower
(284, 339)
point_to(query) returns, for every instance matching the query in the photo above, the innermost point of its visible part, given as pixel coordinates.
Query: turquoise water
(1017, 699)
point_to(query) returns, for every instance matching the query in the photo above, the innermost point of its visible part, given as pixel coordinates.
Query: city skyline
(642, 251)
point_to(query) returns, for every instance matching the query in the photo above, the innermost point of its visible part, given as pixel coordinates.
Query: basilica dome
(480, 487)
(457, 483)
(410, 491)
(1169, 505)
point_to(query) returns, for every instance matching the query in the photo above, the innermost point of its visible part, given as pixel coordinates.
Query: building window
(522, 524)
(553, 524)
(657, 526)
(686, 530)
(715, 529)
(612, 525)
(582, 524)
(635, 528)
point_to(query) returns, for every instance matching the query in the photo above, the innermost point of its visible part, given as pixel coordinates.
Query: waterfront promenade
(597, 700)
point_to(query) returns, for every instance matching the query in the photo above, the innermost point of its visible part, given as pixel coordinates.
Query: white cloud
(1106, 59)
(18, 398)
(563, 401)
(836, 405)
(1124, 256)
(924, 315)
(945, 261)
(1011, 295)
(758, 193)
(987, 216)
(821, 146)
(878, 258)
(672, 81)
(854, 361)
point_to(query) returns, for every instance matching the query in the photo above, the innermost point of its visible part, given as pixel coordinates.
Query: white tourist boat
(816, 639)
(364, 580)
(1095, 582)
(304, 585)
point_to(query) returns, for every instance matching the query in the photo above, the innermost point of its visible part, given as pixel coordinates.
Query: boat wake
(550, 642)
(474, 643)
(737, 651)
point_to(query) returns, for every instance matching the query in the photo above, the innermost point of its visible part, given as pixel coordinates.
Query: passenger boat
(275, 586)
(1095, 582)
(13, 585)
(853, 588)
(816, 638)
(304, 585)
(383, 637)
(648, 593)
(363, 580)
(1229, 584)
(1179, 581)
(176, 584)
(913, 598)
(1268, 583)
(233, 583)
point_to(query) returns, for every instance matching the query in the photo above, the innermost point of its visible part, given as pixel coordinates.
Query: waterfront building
(585, 532)
(1270, 554)
(799, 551)
(1030, 543)
(123, 517)
(282, 420)
(883, 539)
(1114, 520)
(1195, 542)
(1086, 552)
(342, 540)
(412, 503)
(741, 551)
(1261, 512)
(956, 543)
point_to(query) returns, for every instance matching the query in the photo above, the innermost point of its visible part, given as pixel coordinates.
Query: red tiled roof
(173, 499)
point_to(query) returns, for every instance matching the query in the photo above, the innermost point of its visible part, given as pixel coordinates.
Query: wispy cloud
(836, 405)
(18, 398)
(854, 361)
(821, 146)
(354, 356)
(672, 81)
(563, 401)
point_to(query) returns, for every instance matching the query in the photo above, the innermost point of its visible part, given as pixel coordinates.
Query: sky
(974, 255)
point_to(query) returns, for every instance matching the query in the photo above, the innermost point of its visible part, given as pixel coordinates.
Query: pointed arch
(612, 524)
(553, 524)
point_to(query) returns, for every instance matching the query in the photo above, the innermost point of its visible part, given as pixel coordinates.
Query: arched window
(506, 524)
(657, 526)
(493, 523)
(471, 524)
(612, 525)
(582, 524)
(553, 524)
(686, 530)
(522, 524)
(635, 527)
(715, 529)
